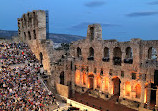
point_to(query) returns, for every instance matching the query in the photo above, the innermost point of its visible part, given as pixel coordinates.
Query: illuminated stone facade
(103, 67)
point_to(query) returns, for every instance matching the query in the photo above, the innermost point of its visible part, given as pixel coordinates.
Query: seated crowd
(20, 87)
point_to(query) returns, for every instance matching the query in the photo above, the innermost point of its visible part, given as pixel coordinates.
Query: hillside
(57, 38)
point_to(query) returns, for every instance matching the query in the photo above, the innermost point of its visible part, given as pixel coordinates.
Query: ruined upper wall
(94, 32)
(111, 49)
(34, 30)
(33, 25)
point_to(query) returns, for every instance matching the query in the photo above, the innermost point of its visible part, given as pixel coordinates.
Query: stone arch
(62, 78)
(127, 88)
(117, 56)
(116, 85)
(79, 53)
(91, 52)
(138, 90)
(91, 81)
(106, 52)
(41, 57)
(152, 53)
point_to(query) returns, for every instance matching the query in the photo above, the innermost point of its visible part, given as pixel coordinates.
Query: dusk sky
(120, 19)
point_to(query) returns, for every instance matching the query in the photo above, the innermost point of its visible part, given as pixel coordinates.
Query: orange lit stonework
(77, 77)
(98, 81)
(127, 88)
(90, 80)
(106, 83)
(145, 95)
(84, 77)
(138, 90)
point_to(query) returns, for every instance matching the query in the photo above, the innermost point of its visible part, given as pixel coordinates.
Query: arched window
(117, 52)
(152, 53)
(34, 34)
(41, 57)
(129, 53)
(138, 91)
(24, 36)
(62, 78)
(91, 33)
(34, 16)
(106, 52)
(24, 20)
(101, 71)
(117, 56)
(29, 35)
(79, 53)
(129, 56)
(28, 19)
(106, 55)
(127, 88)
(91, 54)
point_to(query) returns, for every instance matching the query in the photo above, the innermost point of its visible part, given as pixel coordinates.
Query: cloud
(95, 3)
(84, 25)
(139, 14)
(153, 3)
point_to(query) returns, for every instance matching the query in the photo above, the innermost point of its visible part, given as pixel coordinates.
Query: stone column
(110, 88)
(79, 68)
(123, 55)
(73, 81)
(94, 82)
(81, 78)
(142, 94)
(111, 56)
(87, 80)
(121, 89)
(102, 85)
(148, 95)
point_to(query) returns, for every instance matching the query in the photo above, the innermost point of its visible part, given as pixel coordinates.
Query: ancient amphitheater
(125, 73)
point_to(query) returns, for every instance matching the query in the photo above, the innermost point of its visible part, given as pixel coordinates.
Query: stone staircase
(46, 79)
